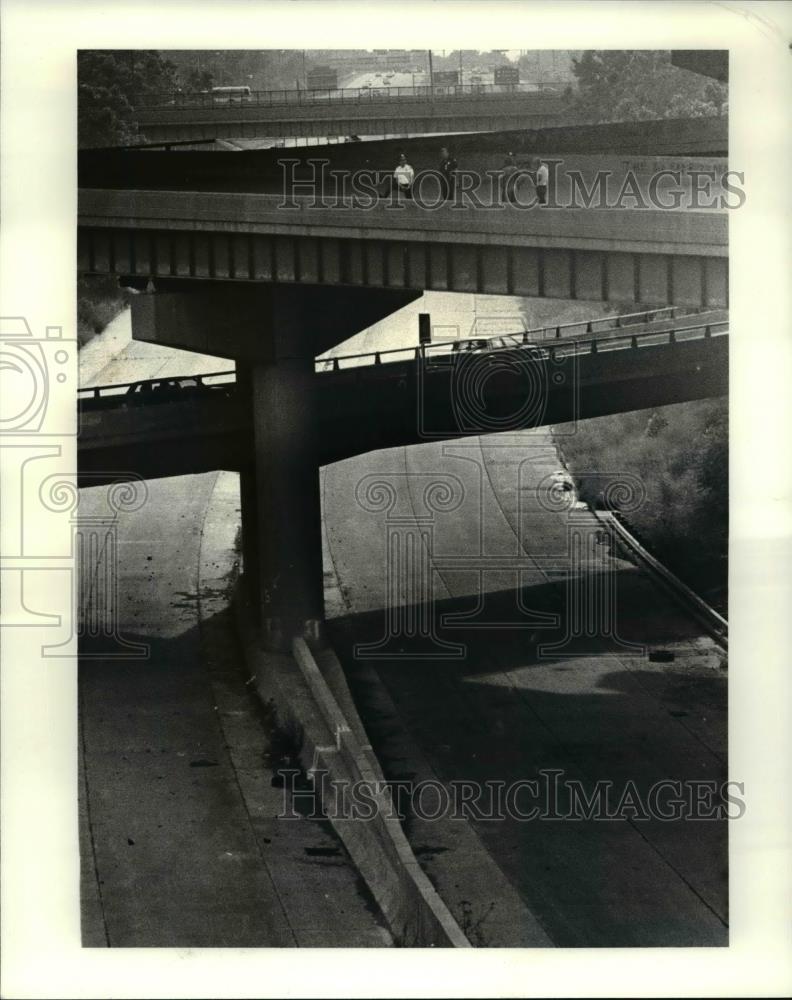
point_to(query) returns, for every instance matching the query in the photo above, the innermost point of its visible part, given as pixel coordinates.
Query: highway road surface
(594, 711)
(179, 841)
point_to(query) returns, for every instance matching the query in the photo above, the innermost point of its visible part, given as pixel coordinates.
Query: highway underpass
(596, 709)
(231, 274)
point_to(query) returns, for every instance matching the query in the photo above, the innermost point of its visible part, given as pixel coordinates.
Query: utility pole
(431, 74)
(461, 71)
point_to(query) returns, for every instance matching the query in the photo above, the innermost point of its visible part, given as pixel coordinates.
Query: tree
(109, 85)
(636, 85)
(680, 453)
(196, 80)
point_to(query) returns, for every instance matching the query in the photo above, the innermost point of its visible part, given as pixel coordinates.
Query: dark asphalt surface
(180, 841)
(502, 713)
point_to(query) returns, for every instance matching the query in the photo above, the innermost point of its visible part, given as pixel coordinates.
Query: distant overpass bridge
(656, 137)
(706, 62)
(386, 399)
(378, 111)
(260, 170)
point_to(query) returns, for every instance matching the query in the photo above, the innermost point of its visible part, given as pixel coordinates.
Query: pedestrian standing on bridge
(509, 175)
(542, 180)
(448, 166)
(403, 177)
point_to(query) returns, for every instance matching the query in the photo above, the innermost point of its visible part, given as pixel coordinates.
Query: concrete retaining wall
(333, 741)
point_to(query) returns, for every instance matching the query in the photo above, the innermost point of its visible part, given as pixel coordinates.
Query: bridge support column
(248, 502)
(273, 333)
(288, 533)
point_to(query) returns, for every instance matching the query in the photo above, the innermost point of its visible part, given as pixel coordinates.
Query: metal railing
(211, 380)
(342, 95)
(551, 348)
(536, 338)
(713, 621)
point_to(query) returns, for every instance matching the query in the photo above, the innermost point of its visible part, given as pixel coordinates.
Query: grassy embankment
(99, 300)
(681, 455)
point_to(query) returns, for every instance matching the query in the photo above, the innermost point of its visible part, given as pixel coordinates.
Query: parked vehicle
(230, 95)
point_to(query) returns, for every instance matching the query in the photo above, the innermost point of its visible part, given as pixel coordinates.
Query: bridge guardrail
(552, 347)
(537, 338)
(715, 624)
(342, 95)
(170, 384)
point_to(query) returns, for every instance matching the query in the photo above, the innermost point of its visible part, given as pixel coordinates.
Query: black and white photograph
(416, 377)
(395, 497)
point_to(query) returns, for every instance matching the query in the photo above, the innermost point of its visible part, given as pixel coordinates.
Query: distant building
(445, 78)
(322, 78)
(364, 61)
(507, 76)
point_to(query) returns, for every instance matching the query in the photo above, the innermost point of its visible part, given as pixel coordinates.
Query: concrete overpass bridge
(649, 256)
(369, 402)
(395, 110)
(271, 280)
(657, 137)
(263, 216)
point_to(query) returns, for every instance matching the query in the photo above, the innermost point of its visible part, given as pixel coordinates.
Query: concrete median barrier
(332, 741)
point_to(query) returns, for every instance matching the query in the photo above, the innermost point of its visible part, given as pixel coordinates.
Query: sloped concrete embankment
(332, 740)
(105, 347)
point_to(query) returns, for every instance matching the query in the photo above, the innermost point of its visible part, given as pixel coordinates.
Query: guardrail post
(558, 331)
(593, 346)
(377, 359)
(671, 337)
(335, 364)
(525, 337)
(633, 341)
(589, 327)
(424, 328)
(707, 330)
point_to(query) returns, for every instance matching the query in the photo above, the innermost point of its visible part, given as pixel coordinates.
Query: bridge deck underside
(555, 272)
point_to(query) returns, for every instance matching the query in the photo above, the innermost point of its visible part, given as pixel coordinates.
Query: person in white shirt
(542, 179)
(403, 177)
